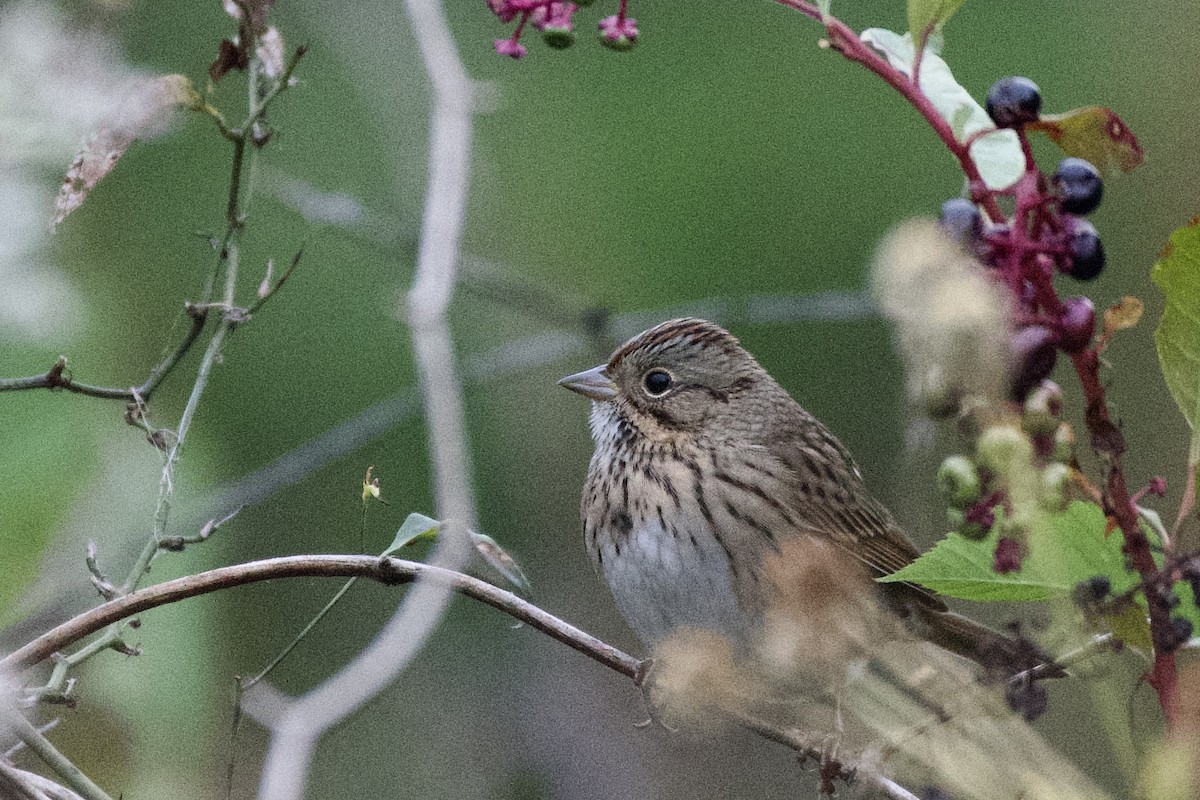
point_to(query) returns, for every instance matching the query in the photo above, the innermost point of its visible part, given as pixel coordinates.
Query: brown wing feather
(827, 492)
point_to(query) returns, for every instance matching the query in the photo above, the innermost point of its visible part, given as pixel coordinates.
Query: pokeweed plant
(1030, 521)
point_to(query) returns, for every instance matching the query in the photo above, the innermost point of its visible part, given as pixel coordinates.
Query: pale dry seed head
(951, 322)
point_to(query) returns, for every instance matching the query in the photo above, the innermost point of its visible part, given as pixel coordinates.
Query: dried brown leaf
(1123, 315)
(229, 57)
(1096, 134)
(145, 111)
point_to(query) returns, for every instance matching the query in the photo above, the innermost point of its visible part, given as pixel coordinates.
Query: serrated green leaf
(416, 527)
(997, 154)
(1177, 273)
(1064, 549)
(923, 13)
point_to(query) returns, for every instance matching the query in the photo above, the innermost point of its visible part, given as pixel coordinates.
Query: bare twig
(39, 744)
(391, 571)
(58, 377)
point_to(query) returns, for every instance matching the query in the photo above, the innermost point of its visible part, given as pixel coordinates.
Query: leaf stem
(843, 39)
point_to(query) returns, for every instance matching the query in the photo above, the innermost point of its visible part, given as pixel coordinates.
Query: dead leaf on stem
(147, 110)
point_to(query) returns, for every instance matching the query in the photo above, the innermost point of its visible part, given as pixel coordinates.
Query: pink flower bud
(509, 47)
(618, 33)
(1009, 555)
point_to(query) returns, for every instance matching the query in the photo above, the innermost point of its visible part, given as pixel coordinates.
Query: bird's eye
(657, 382)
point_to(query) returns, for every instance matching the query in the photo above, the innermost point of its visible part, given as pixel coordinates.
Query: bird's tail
(999, 654)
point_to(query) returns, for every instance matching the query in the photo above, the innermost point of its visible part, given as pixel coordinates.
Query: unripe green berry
(620, 43)
(1003, 448)
(964, 527)
(1064, 443)
(958, 480)
(1015, 526)
(1056, 481)
(558, 37)
(1043, 409)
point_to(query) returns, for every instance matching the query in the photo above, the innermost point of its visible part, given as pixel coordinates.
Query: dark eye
(657, 382)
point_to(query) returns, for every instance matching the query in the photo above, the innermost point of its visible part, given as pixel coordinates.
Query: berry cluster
(1015, 472)
(1046, 233)
(555, 20)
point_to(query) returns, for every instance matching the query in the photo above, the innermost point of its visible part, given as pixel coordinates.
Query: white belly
(663, 583)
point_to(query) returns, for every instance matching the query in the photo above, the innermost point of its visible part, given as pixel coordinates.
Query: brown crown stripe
(689, 330)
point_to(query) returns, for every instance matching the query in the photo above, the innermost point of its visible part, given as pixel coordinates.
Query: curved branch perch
(389, 571)
(386, 570)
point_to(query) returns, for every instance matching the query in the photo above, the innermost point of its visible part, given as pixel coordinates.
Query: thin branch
(58, 377)
(388, 570)
(62, 766)
(392, 572)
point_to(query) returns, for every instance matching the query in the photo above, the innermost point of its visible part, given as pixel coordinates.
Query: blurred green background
(727, 156)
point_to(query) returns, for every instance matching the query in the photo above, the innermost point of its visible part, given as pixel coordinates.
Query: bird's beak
(593, 383)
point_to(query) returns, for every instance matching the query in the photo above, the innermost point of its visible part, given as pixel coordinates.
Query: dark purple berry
(1079, 184)
(1078, 322)
(1181, 629)
(1013, 102)
(1087, 251)
(1090, 595)
(1033, 350)
(1028, 698)
(961, 219)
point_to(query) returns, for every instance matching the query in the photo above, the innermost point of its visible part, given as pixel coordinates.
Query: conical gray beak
(593, 383)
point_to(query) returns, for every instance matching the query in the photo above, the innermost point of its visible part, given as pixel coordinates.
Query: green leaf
(1177, 273)
(1096, 134)
(1064, 549)
(417, 527)
(997, 154)
(923, 13)
(1132, 626)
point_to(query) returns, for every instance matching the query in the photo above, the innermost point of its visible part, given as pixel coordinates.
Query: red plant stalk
(1106, 436)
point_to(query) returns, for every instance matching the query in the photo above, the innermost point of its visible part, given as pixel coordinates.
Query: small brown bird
(704, 468)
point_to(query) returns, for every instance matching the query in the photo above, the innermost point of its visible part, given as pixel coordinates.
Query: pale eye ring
(657, 382)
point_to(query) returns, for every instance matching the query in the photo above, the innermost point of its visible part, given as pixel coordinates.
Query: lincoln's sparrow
(705, 468)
